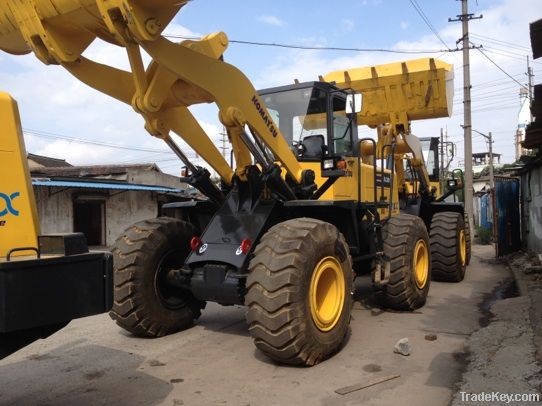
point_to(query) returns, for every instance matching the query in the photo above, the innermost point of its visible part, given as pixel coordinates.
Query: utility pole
(224, 147)
(447, 146)
(489, 139)
(530, 75)
(491, 178)
(465, 17)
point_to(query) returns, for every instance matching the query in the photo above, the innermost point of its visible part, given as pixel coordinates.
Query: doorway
(89, 219)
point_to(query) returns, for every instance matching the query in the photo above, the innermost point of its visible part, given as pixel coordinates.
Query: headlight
(328, 164)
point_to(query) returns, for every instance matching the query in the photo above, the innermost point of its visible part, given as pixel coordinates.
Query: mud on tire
(279, 284)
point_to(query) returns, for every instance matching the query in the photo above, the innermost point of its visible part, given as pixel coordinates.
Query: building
(531, 174)
(482, 159)
(100, 200)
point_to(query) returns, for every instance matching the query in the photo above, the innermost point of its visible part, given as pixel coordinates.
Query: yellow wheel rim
(326, 293)
(421, 263)
(462, 247)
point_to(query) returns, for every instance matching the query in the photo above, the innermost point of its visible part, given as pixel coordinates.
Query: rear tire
(449, 248)
(406, 244)
(143, 303)
(299, 292)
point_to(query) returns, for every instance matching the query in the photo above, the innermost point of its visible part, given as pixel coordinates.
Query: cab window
(342, 130)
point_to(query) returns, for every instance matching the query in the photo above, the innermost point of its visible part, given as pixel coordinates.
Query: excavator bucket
(400, 92)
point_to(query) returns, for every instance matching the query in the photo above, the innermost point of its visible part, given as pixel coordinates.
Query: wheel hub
(462, 247)
(421, 263)
(327, 293)
(169, 295)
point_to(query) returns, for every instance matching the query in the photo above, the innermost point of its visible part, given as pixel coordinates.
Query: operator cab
(317, 119)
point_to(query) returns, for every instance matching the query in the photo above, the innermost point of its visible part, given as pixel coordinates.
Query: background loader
(307, 206)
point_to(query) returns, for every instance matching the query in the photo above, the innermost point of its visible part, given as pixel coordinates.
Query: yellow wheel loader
(307, 207)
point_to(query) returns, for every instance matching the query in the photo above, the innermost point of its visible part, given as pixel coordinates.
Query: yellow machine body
(19, 225)
(395, 94)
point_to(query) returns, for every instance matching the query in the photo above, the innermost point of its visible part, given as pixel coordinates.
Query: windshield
(299, 113)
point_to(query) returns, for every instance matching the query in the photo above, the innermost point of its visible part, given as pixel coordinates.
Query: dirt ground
(93, 361)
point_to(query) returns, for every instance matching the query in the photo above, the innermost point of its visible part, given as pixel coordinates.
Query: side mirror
(354, 103)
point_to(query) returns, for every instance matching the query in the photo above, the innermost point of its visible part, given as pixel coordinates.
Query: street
(93, 361)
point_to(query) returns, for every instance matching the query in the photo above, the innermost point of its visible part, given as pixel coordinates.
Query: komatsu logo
(268, 121)
(8, 203)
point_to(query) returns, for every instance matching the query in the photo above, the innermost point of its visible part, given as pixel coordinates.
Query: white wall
(531, 189)
(125, 209)
(55, 209)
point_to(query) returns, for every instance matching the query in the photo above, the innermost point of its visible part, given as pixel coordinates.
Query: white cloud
(271, 20)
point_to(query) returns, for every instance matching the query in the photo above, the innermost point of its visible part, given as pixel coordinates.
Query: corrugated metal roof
(97, 185)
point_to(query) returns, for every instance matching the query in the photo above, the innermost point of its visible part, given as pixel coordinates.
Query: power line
(45, 134)
(495, 40)
(323, 48)
(421, 13)
(501, 69)
(508, 54)
(491, 83)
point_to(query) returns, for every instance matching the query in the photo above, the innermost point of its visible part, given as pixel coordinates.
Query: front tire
(299, 292)
(406, 244)
(144, 304)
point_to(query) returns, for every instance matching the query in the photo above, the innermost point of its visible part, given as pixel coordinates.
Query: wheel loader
(308, 205)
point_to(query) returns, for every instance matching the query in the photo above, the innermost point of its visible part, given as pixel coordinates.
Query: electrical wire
(324, 48)
(424, 17)
(495, 40)
(501, 69)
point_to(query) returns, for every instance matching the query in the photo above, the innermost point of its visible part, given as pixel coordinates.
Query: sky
(63, 118)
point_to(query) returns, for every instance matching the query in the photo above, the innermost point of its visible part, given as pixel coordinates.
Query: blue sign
(8, 202)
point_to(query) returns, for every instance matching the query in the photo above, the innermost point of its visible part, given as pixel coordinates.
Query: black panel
(48, 291)
(238, 219)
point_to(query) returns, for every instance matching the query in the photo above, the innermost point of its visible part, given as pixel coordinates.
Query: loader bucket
(403, 91)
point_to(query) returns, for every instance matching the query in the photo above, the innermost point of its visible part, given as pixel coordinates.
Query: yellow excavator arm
(180, 75)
